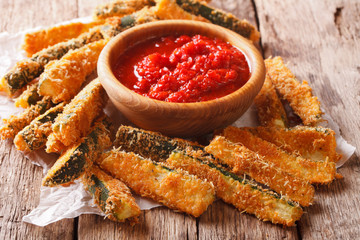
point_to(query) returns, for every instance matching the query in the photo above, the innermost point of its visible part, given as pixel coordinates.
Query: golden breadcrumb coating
(15, 124)
(111, 195)
(175, 189)
(315, 143)
(78, 158)
(62, 79)
(34, 136)
(36, 41)
(312, 171)
(299, 95)
(75, 121)
(168, 9)
(271, 112)
(120, 8)
(242, 160)
(239, 192)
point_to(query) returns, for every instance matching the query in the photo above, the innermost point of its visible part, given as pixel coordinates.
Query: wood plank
(20, 180)
(319, 39)
(158, 223)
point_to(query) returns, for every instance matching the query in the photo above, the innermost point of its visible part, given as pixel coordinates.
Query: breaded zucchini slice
(111, 195)
(28, 97)
(34, 136)
(169, 9)
(116, 25)
(152, 145)
(76, 119)
(315, 143)
(173, 188)
(38, 40)
(15, 124)
(27, 70)
(303, 168)
(120, 8)
(244, 161)
(80, 157)
(244, 195)
(62, 79)
(270, 111)
(299, 95)
(218, 17)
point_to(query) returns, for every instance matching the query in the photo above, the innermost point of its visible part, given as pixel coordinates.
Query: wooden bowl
(179, 119)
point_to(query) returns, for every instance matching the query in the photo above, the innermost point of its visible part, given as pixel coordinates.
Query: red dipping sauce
(183, 69)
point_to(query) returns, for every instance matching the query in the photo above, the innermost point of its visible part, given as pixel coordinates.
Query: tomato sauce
(183, 69)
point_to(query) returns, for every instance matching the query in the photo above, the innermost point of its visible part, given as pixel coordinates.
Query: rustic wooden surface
(319, 39)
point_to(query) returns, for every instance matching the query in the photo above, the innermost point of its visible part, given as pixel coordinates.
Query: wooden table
(321, 42)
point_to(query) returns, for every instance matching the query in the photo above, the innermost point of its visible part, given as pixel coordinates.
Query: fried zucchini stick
(168, 9)
(80, 157)
(244, 195)
(173, 188)
(244, 161)
(299, 95)
(34, 136)
(120, 8)
(16, 123)
(312, 171)
(315, 143)
(36, 41)
(62, 79)
(152, 145)
(27, 70)
(111, 195)
(75, 121)
(28, 97)
(218, 17)
(271, 112)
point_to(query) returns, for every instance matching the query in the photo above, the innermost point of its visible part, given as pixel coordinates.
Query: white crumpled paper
(69, 202)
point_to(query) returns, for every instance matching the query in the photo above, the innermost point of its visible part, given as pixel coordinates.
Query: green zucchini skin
(120, 8)
(245, 195)
(111, 195)
(219, 17)
(34, 136)
(27, 70)
(148, 144)
(73, 163)
(15, 124)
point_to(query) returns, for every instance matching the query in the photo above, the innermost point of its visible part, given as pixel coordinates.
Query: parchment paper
(68, 202)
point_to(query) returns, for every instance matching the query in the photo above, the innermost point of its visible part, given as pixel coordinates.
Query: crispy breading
(120, 8)
(168, 9)
(36, 41)
(245, 196)
(303, 168)
(15, 124)
(299, 95)
(242, 160)
(315, 143)
(34, 136)
(173, 188)
(152, 145)
(78, 158)
(111, 195)
(62, 79)
(75, 121)
(270, 111)
(28, 97)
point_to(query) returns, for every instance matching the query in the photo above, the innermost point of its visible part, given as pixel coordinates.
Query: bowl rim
(104, 65)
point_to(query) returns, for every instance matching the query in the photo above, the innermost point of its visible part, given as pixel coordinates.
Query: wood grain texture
(321, 46)
(319, 39)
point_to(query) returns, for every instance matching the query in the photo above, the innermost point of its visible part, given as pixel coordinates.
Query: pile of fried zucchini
(267, 171)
